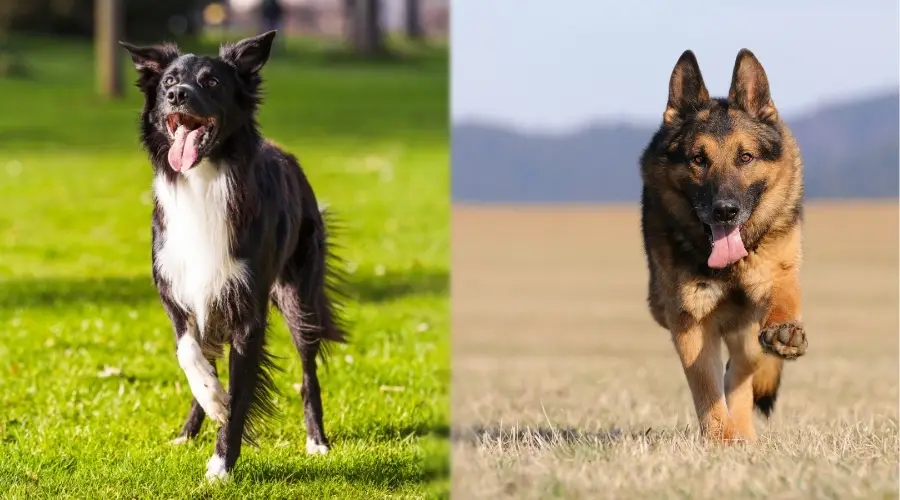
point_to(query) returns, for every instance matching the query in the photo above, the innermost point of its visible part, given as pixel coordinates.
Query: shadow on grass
(393, 285)
(138, 290)
(376, 471)
(384, 471)
(393, 433)
(65, 292)
(23, 134)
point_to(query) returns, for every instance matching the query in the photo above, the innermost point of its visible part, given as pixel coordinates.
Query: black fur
(277, 230)
(766, 404)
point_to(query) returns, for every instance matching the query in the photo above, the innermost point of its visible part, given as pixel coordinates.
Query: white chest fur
(194, 254)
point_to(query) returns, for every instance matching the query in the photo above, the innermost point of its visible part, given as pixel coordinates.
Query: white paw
(215, 469)
(201, 377)
(315, 449)
(179, 441)
(216, 404)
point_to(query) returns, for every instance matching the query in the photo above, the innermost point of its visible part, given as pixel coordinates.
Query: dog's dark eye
(699, 160)
(746, 158)
(212, 82)
(169, 81)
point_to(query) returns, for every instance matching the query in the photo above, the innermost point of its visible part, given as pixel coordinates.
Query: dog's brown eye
(746, 158)
(699, 160)
(170, 80)
(212, 82)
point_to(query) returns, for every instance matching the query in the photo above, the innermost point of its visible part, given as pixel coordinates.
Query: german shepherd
(721, 213)
(236, 226)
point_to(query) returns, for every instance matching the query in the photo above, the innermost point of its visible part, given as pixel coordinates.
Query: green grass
(76, 295)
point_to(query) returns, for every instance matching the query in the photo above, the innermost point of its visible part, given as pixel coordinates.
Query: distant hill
(850, 151)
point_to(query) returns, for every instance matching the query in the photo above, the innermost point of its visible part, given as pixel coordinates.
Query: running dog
(721, 213)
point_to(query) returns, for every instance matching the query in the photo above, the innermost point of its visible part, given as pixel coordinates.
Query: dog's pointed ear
(750, 88)
(249, 55)
(151, 59)
(687, 92)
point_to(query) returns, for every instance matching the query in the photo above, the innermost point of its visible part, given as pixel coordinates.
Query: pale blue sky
(559, 64)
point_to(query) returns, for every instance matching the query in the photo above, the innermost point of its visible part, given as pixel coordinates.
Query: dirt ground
(563, 386)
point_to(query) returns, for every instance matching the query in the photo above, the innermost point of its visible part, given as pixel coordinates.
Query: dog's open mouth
(189, 135)
(727, 245)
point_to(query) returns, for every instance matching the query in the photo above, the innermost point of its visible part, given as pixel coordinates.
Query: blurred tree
(9, 60)
(108, 23)
(145, 20)
(413, 20)
(271, 13)
(365, 31)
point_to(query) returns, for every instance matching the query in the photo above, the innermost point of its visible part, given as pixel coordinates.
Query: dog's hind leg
(306, 333)
(192, 424)
(310, 391)
(302, 297)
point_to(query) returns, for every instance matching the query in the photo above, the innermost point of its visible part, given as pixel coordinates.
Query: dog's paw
(180, 440)
(215, 469)
(201, 376)
(216, 404)
(786, 340)
(314, 448)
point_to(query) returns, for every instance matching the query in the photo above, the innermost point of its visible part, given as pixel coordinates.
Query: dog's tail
(323, 283)
(766, 381)
(334, 277)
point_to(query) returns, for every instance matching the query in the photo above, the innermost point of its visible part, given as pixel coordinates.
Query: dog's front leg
(781, 332)
(202, 378)
(208, 395)
(244, 390)
(699, 350)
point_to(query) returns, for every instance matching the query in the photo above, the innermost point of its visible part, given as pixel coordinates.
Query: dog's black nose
(725, 210)
(176, 96)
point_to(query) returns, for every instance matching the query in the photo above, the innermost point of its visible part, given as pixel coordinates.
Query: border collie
(235, 225)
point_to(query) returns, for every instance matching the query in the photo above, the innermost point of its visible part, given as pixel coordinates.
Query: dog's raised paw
(786, 340)
(218, 407)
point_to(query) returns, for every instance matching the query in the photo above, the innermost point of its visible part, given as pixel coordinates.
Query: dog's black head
(196, 105)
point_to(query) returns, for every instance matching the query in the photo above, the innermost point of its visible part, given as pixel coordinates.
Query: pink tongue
(727, 246)
(183, 153)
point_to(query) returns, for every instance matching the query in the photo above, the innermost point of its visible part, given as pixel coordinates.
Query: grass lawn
(90, 390)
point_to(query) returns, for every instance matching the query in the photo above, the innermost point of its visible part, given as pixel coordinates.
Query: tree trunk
(349, 28)
(413, 20)
(366, 35)
(108, 23)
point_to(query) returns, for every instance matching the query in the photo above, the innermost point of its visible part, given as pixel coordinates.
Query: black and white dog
(235, 225)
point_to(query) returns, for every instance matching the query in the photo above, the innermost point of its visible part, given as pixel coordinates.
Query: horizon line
(635, 122)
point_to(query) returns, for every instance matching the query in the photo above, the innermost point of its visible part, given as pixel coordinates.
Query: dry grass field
(563, 387)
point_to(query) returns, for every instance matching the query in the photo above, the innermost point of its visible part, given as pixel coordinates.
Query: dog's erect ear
(152, 59)
(250, 54)
(750, 88)
(687, 93)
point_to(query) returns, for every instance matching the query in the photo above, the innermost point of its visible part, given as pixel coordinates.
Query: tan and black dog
(721, 220)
